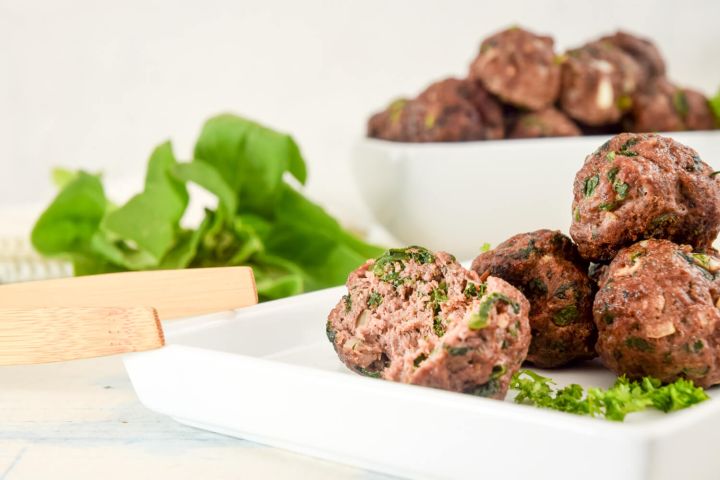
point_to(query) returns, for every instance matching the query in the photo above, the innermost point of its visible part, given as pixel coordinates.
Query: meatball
(639, 186)
(416, 317)
(643, 51)
(548, 122)
(519, 67)
(657, 313)
(545, 266)
(489, 110)
(666, 108)
(597, 81)
(447, 111)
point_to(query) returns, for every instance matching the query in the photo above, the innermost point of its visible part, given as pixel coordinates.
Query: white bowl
(457, 196)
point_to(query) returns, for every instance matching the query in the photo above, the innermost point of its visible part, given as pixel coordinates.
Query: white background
(98, 84)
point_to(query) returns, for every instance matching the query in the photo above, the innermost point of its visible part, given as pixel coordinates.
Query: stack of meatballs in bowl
(519, 87)
(637, 285)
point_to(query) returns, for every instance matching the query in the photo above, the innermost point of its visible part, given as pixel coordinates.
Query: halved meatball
(547, 122)
(657, 313)
(417, 317)
(520, 67)
(597, 81)
(639, 186)
(663, 107)
(545, 266)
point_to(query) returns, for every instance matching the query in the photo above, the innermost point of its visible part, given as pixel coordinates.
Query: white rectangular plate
(268, 374)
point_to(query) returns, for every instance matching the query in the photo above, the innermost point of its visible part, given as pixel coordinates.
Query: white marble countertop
(82, 420)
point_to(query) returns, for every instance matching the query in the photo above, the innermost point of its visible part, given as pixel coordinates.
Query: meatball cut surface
(519, 67)
(657, 313)
(419, 317)
(639, 186)
(545, 266)
(597, 81)
(451, 110)
(547, 122)
(663, 107)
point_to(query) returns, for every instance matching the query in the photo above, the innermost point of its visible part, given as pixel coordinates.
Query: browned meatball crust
(547, 122)
(597, 81)
(519, 67)
(642, 50)
(657, 313)
(421, 318)
(545, 266)
(489, 110)
(639, 186)
(451, 110)
(663, 107)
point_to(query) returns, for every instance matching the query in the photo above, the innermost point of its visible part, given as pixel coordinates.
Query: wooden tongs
(84, 317)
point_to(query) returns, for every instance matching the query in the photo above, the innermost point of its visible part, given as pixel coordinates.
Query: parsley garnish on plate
(625, 396)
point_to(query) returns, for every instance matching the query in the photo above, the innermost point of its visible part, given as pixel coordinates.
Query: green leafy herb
(565, 316)
(388, 266)
(610, 156)
(261, 221)
(714, 103)
(330, 332)
(486, 247)
(439, 294)
(368, 373)
(487, 389)
(625, 146)
(474, 290)
(479, 320)
(455, 351)
(591, 184)
(639, 344)
(498, 371)
(419, 359)
(614, 403)
(438, 326)
(680, 104)
(624, 102)
(374, 300)
(347, 299)
(537, 288)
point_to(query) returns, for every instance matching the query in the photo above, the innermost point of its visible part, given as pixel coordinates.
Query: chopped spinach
(487, 389)
(438, 326)
(456, 351)
(639, 344)
(387, 267)
(374, 300)
(565, 316)
(474, 290)
(330, 332)
(368, 373)
(347, 300)
(419, 359)
(625, 146)
(680, 104)
(591, 184)
(479, 320)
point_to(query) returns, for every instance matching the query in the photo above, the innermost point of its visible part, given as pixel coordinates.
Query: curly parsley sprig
(625, 396)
